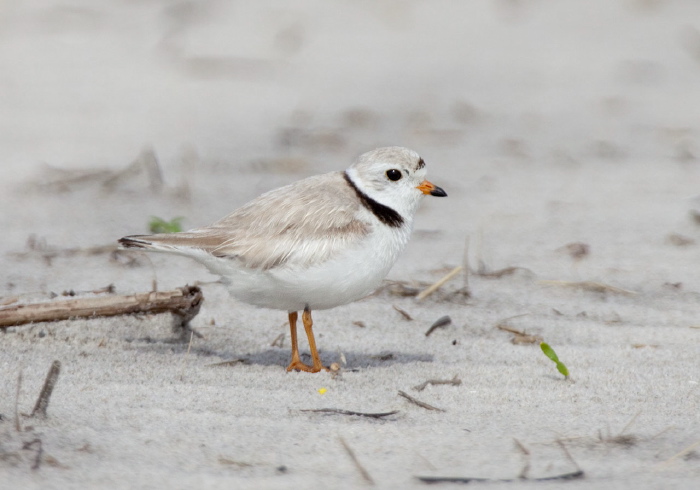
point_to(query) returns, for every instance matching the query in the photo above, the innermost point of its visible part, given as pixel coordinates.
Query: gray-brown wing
(306, 222)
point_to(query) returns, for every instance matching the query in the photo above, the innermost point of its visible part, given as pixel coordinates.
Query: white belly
(343, 279)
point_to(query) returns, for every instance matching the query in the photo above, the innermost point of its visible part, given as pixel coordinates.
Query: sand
(548, 124)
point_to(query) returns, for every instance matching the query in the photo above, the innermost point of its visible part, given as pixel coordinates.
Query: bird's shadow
(281, 356)
(353, 360)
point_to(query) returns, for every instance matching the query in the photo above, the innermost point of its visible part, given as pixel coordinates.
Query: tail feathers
(147, 242)
(182, 242)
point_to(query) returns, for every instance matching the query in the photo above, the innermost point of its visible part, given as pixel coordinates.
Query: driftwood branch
(183, 302)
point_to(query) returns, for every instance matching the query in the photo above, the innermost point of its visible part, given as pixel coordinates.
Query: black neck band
(384, 213)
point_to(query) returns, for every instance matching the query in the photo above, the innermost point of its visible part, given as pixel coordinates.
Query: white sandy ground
(546, 122)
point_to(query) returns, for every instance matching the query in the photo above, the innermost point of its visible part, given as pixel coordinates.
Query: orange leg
(308, 326)
(296, 360)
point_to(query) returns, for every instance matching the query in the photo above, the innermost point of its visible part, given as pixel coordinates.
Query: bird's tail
(183, 242)
(153, 243)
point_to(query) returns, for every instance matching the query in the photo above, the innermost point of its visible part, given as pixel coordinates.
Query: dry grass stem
(279, 341)
(571, 459)
(679, 454)
(9, 301)
(146, 162)
(506, 271)
(186, 356)
(441, 282)
(340, 411)
(46, 252)
(398, 288)
(465, 266)
(526, 456)
(232, 362)
(39, 451)
(18, 421)
(403, 313)
(418, 402)
(365, 475)
(233, 462)
(629, 424)
(520, 337)
(596, 287)
(42, 403)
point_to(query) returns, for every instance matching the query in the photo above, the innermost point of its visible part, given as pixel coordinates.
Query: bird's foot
(298, 365)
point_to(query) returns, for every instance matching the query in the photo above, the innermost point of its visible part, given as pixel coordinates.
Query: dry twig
(418, 402)
(42, 403)
(574, 475)
(403, 313)
(340, 411)
(183, 302)
(520, 337)
(454, 382)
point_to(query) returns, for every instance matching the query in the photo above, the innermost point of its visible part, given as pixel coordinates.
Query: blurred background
(547, 122)
(307, 85)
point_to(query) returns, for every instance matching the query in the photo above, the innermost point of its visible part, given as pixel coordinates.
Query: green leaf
(562, 369)
(159, 225)
(549, 352)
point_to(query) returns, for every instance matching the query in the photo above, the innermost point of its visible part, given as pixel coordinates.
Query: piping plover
(315, 244)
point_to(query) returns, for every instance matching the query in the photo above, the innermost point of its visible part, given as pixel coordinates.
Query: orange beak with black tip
(429, 188)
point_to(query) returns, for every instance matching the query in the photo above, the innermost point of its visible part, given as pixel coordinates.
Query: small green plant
(549, 352)
(159, 225)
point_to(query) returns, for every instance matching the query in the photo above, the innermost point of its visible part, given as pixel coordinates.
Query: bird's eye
(393, 174)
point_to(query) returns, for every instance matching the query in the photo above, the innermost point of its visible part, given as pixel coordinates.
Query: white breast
(344, 278)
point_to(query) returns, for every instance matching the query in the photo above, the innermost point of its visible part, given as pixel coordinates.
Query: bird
(321, 242)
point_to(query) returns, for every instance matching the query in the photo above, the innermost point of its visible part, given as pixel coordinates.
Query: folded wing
(304, 223)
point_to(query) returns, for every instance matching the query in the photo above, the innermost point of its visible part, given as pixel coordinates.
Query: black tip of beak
(438, 192)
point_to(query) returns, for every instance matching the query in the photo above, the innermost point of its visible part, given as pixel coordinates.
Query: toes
(301, 367)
